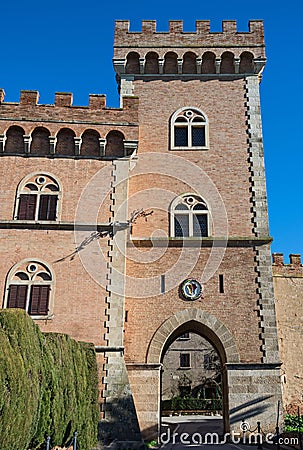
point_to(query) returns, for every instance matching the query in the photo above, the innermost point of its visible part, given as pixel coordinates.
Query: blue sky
(67, 46)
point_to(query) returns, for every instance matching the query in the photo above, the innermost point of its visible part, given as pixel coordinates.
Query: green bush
(293, 423)
(190, 404)
(22, 368)
(48, 386)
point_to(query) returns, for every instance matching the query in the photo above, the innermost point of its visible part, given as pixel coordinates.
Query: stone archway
(220, 336)
(206, 325)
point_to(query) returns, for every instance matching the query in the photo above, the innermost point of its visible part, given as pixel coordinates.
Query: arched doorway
(193, 384)
(207, 326)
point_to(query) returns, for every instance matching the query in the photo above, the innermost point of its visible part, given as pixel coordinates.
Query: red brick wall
(236, 307)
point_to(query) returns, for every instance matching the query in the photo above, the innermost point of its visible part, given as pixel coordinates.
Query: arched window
(114, 144)
(227, 63)
(209, 63)
(29, 286)
(189, 63)
(90, 143)
(37, 198)
(132, 63)
(14, 140)
(170, 63)
(65, 142)
(246, 63)
(151, 63)
(40, 144)
(189, 217)
(189, 129)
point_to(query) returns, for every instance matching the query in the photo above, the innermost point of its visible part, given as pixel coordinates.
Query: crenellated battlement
(254, 36)
(294, 268)
(177, 52)
(65, 99)
(67, 130)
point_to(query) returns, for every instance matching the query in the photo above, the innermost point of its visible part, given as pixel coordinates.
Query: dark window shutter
(184, 360)
(48, 207)
(27, 207)
(39, 300)
(17, 296)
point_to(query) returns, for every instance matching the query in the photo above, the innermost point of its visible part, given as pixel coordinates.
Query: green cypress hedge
(48, 386)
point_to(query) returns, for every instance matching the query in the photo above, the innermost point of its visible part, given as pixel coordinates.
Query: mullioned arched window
(38, 198)
(29, 286)
(189, 129)
(189, 215)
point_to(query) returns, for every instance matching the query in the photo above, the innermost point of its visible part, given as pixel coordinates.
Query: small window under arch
(151, 63)
(114, 144)
(132, 63)
(189, 217)
(65, 142)
(170, 63)
(14, 140)
(189, 130)
(227, 63)
(38, 198)
(246, 63)
(209, 63)
(40, 144)
(29, 286)
(189, 63)
(90, 145)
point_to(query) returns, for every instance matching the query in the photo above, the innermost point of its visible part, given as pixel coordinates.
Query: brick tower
(200, 169)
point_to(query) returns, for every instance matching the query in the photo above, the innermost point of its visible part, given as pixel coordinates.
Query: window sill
(53, 225)
(189, 149)
(48, 317)
(231, 241)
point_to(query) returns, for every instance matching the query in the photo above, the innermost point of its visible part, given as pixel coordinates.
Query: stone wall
(288, 286)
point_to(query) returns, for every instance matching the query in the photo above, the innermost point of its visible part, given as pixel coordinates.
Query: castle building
(129, 227)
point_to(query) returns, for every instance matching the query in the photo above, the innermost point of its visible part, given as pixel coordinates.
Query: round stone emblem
(191, 289)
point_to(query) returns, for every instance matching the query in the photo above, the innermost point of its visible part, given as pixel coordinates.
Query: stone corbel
(130, 147)
(259, 65)
(218, 65)
(161, 65)
(119, 65)
(2, 142)
(27, 143)
(180, 65)
(142, 65)
(78, 142)
(102, 143)
(199, 64)
(237, 65)
(52, 144)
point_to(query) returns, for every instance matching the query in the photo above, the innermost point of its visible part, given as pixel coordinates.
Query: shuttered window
(27, 207)
(47, 207)
(17, 296)
(185, 360)
(39, 299)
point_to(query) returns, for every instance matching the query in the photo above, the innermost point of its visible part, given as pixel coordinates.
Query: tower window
(188, 130)
(189, 217)
(37, 198)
